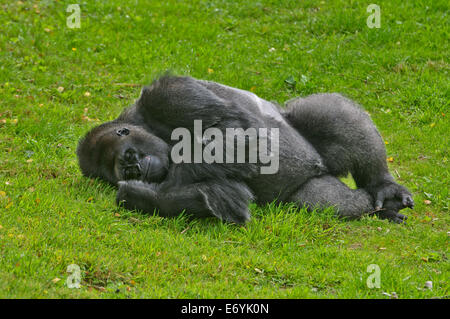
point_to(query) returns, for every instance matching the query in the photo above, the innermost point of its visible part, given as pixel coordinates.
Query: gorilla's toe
(399, 219)
(402, 217)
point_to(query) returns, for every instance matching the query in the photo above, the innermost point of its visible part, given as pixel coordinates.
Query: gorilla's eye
(123, 131)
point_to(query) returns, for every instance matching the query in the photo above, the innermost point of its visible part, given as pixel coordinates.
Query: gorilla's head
(117, 151)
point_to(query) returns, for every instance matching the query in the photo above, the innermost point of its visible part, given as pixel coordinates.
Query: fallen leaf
(210, 71)
(355, 246)
(427, 202)
(290, 81)
(55, 280)
(390, 159)
(2, 194)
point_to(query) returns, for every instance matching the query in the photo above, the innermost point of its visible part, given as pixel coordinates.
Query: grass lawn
(58, 82)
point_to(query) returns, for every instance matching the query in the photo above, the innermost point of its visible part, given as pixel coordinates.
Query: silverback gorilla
(321, 137)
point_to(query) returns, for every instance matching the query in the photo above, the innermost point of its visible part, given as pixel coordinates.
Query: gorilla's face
(136, 157)
(117, 152)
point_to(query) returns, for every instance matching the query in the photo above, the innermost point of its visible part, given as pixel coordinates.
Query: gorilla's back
(298, 160)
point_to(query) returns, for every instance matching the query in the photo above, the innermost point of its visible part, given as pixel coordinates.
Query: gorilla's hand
(390, 211)
(391, 192)
(137, 195)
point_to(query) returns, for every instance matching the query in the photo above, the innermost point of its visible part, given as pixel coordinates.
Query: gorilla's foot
(392, 216)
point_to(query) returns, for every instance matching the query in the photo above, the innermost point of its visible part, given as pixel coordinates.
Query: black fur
(321, 137)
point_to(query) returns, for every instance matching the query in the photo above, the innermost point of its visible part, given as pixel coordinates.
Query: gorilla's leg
(348, 141)
(227, 200)
(327, 190)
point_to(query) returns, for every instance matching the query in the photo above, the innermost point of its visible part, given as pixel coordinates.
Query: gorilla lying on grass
(320, 138)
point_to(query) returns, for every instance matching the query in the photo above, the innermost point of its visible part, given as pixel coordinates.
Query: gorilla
(321, 137)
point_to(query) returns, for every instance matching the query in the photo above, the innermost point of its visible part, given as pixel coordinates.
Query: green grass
(52, 217)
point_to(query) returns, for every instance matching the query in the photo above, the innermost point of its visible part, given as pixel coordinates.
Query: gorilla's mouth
(152, 169)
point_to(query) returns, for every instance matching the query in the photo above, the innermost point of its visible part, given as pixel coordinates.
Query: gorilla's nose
(153, 169)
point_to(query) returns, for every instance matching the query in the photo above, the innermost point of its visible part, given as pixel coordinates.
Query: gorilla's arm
(227, 199)
(172, 102)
